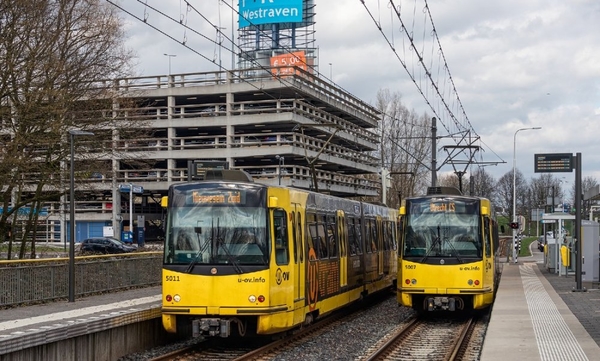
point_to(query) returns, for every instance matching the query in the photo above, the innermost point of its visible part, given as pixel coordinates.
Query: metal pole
(577, 233)
(72, 225)
(433, 152)
(281, 160)
(72, 134)
(514, 215)
(131, 211)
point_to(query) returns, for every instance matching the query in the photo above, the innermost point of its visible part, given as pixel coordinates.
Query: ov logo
(281, 276)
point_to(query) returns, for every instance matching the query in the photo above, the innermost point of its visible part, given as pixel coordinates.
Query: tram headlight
(252, 298)
(410, 281)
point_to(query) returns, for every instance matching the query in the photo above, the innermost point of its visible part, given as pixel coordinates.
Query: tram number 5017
(410, 266)
(172, 278)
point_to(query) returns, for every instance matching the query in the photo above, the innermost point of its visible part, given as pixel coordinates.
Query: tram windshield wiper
(202, 249)
(221, 243)
(436, 241)
(454, 252)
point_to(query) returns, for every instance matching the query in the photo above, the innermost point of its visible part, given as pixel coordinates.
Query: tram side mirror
(198, 230)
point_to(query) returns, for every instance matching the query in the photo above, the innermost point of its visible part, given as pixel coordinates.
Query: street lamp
(514, 215)
(73, 133)
(170, 56)
(281, 162)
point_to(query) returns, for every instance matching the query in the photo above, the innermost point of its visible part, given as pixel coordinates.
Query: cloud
(514, 63)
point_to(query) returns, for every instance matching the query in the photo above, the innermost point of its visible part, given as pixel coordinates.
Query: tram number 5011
(172, 278)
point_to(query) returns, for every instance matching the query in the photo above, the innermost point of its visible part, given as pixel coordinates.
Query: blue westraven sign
(256, 12)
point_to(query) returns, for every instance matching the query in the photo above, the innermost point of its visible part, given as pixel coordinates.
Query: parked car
(541, 243)
(105, 245)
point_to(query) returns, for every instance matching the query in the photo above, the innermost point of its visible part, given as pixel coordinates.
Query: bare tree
(404, 145)
(587, 183)
(483, 184)
(55, 56)
(504, 192)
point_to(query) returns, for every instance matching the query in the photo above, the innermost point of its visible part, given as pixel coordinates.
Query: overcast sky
(515, 64)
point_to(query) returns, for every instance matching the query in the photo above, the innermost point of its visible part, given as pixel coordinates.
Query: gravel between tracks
(346, 342)
(352, 338)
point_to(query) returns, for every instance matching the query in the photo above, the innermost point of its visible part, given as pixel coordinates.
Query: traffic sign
(126, 188)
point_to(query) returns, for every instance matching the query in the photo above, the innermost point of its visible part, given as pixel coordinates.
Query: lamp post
(281, 162)
(331, 71)
(170, 56)
(73, 133)
(514, 215)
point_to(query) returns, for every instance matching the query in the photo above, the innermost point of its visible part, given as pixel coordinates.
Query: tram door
(281, 272)
(379, 240)
(298, 256)
(343, 243)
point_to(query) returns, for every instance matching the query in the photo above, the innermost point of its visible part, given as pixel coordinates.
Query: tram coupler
(211, 327)
(441, 303)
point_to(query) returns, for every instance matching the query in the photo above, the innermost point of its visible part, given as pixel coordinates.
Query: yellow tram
(447, 258)
(244, 259)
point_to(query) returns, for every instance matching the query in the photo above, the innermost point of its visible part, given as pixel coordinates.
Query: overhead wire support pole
(311, 163)
(433, 151)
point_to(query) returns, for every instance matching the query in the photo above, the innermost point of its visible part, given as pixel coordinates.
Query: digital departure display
(444, 207)
(219, 196)
(554, 162)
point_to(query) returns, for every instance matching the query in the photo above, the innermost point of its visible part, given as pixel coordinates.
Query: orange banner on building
(284, 64)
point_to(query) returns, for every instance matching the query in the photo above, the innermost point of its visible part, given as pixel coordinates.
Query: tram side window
(323, 237)
(392, 235)
(332, 237)
(311, 239)
(299, 236)
(352, 239)
(386, 236)
(282, 253)
(367, 237)
(399, 232)
(295, 238)
(486, 236)
(357, 230)
(373, 235)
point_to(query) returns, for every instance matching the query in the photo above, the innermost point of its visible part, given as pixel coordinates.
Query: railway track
(426, 339)
(242, 350)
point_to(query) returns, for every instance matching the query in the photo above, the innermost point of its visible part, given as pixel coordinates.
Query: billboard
(257, 12)
(284, 64)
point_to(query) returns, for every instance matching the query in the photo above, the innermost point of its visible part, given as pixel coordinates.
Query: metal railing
(30, 281)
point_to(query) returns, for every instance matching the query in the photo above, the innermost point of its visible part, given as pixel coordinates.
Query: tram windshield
(217, 226)
(448, 228)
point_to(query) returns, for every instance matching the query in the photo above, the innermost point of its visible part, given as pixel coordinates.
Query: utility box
(590, 262)
(550, 254)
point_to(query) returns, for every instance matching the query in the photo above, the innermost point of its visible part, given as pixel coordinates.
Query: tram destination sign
(553, 162)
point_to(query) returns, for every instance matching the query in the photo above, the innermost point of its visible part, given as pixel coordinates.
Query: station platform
(29, 326)
(538, 315)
